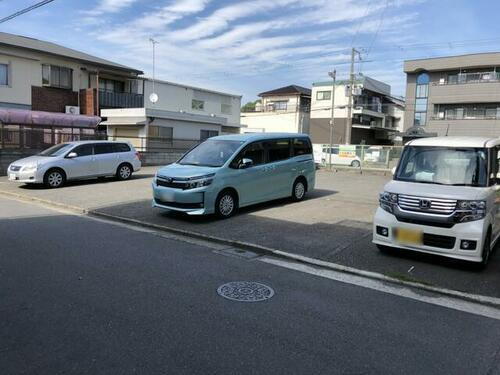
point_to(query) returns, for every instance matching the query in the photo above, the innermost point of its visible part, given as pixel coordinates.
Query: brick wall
(52, 99)
(88, 102)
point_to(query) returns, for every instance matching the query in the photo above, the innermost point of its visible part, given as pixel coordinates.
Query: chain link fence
(357, 156)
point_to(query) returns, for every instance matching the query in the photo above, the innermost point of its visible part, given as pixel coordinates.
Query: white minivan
(444, 199)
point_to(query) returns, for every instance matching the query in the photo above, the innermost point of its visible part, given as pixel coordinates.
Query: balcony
(464, 78)
(109, 99)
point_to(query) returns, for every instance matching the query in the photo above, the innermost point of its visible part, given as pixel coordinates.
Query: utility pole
(349, 106)
(153, 97)
(333, 75)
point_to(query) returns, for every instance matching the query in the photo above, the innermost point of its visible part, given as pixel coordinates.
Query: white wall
(269, 122)
(322, 108)
(185, 129)
(174, 97)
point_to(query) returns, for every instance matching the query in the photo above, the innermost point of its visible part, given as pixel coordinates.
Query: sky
(252, 46)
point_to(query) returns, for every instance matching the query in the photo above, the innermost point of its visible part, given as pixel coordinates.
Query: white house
(181, 114)
(285, 109)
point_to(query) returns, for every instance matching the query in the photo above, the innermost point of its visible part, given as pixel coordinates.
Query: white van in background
(322, 156)
(444, 199)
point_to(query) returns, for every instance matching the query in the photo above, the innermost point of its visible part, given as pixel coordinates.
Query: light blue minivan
(231, 171)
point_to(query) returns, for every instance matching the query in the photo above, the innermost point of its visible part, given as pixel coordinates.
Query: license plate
(409, 236)
(12, 176)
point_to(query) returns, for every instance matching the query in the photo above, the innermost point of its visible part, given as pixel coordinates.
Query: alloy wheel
(299, 190)
(226, 205)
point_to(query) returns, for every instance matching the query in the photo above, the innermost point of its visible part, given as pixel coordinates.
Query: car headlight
(201, 181)
(387, 201)
(30, 168)
(470, 211)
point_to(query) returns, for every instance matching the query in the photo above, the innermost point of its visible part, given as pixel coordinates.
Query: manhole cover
(245, 291)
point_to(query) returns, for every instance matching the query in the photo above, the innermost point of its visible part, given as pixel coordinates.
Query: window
(4, 74)
(84, 150)
(280, 105)
(278, 150)
(420, 118)
(301, 146)
(225, 108)
(254, 151)
(421, 105)
(199, 105)
(205, 134)
(103, 148)
(422, 91)
(111, 85)
(57, 76)
(160, 132)
(323, 95)
(121, 147)
(421, 95)
(212, 153)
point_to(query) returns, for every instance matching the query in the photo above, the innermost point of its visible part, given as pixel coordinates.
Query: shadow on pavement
(347, 242)
(100, 180)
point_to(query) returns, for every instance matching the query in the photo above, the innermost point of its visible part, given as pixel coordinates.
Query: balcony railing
(109, 99)
(463, 78)
(278, 109)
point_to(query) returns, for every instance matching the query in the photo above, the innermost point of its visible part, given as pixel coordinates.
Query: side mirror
(245, 163)
(72, 155)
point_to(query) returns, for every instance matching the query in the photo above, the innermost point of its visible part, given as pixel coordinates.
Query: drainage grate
(245, 291)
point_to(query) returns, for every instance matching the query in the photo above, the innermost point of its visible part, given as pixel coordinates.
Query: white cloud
(110, 6)
(253, 38)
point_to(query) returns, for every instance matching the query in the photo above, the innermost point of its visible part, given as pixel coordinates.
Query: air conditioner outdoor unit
(442, 81)
(72, 110)
(441, 115)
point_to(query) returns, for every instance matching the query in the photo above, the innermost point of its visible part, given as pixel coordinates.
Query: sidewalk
(333, 224)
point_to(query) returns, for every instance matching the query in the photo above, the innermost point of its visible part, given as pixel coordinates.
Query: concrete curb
(484, 300)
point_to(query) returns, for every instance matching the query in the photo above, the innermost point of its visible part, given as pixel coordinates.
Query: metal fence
(40, 139)
(357, 156)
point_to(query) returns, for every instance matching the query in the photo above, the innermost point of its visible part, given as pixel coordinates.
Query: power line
(25, 10)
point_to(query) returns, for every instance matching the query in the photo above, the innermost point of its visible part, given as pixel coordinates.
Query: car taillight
(137, 155)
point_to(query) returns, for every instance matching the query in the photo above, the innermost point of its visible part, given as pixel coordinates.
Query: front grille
(435, 240)
(171, 184)
(15, 168)
(425, 222)
(427, 205)
(179, 205)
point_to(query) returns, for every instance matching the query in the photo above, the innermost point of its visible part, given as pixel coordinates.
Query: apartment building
(377, 116)
(285, 109)
(182, 114)
(50, 93)
(455, 95)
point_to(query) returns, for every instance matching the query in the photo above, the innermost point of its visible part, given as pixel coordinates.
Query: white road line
(434, 299)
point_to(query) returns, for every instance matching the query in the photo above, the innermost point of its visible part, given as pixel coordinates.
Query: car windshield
(444, 166)
(211, 153)
(57, 150)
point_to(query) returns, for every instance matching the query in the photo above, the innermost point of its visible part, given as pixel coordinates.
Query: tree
(250, 106)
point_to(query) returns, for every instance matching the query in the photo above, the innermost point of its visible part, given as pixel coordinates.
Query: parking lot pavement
(333, 224)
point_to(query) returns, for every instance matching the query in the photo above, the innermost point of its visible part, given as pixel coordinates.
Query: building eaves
(32, 44)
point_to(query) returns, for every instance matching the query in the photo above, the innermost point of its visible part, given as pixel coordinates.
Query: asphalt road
(80, 296)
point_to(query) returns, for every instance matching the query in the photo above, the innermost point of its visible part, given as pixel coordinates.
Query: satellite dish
(153, 98)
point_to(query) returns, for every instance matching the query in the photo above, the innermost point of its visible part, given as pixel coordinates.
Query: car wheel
(299, 190)
(486, 251)
(226, 204)
(54, 179)
(355, 164)
(124, 172)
